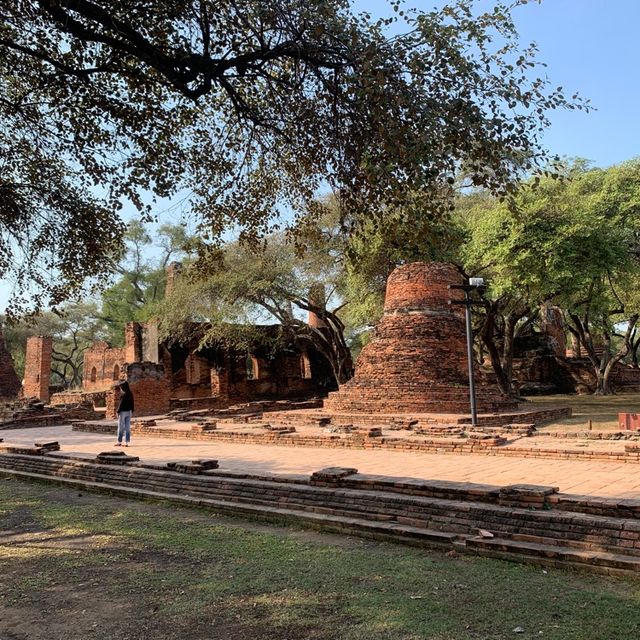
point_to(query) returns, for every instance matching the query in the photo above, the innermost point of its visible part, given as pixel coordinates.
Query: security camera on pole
(474, 284)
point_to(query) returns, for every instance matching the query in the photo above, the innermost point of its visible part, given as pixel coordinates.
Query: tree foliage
(252, 107)
(73, 328)
(142, 269)
(245, 289)
(572, 241)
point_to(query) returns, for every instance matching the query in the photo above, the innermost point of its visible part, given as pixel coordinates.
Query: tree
(242, 289)
(142, 270)
(608, 304)
(405, 234)
(252, 107)
(74, 328)
(572, 241)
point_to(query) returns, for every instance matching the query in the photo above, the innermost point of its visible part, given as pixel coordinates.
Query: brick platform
(416, 360)
(518, 522)
(482, 443)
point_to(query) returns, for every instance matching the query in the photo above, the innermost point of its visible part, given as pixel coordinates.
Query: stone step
(591, 544)
(564, 554)
(417, 512)
(329, 522)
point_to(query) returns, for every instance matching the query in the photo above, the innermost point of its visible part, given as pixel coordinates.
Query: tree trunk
(487, 335)
(329, 341)
(634, 348)
(507, 347)
(607, 365)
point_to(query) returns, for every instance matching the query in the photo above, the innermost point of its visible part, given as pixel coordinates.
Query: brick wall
(173, 274)
(96, 398)
(417, 359)
(102, 367)
(37, 367)
(150, 388)
(9, 382)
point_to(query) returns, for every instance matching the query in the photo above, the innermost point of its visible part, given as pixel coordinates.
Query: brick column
(317, 296)
(37, 367)
(173, 274)
(133, 342)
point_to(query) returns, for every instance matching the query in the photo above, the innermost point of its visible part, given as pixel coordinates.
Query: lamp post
(473, 284)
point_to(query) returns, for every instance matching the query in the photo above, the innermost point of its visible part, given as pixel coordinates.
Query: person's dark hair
(124, 385)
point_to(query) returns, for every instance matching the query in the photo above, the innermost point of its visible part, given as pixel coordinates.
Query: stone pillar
(576, 348)
(173, 274)
(220, 382)
(37, 367)
(133, 342)
(9, 383)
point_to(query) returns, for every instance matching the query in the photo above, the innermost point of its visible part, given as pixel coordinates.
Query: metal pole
(472, 384)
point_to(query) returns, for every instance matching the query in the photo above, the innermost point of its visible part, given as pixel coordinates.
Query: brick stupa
(416, 361)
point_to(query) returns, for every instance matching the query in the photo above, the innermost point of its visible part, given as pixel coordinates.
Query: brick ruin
(9, 383)
(150, 388)
(416, 362)
(37, 368)
(102, 367)
(163, 374)
(417, 358)
(544, 364)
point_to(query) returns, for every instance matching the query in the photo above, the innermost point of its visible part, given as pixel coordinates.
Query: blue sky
(590, 46)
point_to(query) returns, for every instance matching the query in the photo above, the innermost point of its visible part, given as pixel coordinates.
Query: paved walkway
(599, 478)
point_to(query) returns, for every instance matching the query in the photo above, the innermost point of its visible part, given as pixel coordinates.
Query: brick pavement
(598, 478)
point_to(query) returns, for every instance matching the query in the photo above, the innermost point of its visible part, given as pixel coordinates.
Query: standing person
(125, 409)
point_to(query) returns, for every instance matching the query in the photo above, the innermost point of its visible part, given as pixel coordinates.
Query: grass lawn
(601, 410)
(78, 566)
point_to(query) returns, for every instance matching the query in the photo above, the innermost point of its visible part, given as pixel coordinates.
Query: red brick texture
(9, 383)
(525, 522)
(417, 361)
(133, 342)
(102, 367)
(37, 368)
(151, 390)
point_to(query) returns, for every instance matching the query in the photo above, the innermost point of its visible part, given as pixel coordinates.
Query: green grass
(601, 410)
(171, 572)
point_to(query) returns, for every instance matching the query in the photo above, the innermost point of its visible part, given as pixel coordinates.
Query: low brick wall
(529, 416)
(525, 522)
(97, 398)
(493, 446)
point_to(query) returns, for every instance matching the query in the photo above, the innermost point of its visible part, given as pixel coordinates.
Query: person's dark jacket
(126, 402)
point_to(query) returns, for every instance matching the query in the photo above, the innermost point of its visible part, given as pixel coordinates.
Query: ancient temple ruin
(416, 361)
(164, 375)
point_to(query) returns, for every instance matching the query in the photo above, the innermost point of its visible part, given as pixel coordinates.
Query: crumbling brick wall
(102, 367)
(9, 382)
(150, 388)
(37, 367)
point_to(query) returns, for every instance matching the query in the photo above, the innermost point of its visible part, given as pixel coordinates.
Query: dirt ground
(78, 566)
(73, 585)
